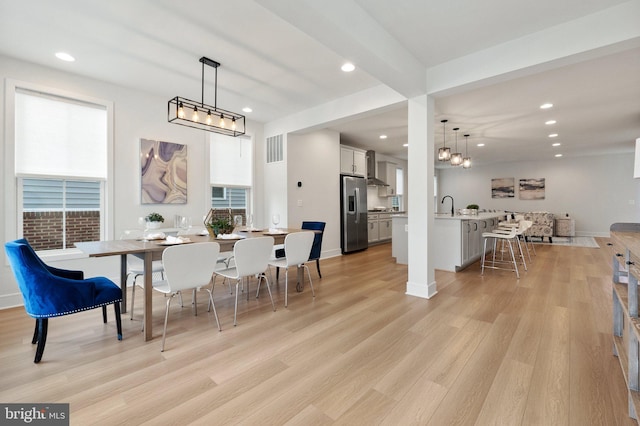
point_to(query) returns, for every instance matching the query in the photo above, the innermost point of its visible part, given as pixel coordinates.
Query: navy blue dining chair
(316, 248)
(51, 292)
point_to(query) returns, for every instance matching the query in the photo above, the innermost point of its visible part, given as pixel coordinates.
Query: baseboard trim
(421, 290)
(11, 301)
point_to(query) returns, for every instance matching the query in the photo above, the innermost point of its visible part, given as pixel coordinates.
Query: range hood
(372, 180)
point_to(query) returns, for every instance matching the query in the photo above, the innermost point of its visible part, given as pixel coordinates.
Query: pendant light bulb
(456, 157)
(466, 161)
(233, 124)
(222, 120)
(180, 110)
(209, 117)
(195, 114)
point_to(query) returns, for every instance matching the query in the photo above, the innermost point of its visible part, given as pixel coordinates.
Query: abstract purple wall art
(163, 167)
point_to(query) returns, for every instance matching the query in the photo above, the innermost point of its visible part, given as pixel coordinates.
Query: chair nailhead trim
(59, 314)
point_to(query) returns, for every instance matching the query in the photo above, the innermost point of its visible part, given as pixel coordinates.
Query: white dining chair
(135, 265)
(251, 258)
(297, 247)
(223, 259)
(187, 266)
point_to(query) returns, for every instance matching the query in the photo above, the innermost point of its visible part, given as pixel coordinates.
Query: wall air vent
(274, 149)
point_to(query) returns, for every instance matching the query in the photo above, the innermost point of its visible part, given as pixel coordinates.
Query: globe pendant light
(466, 161)
(456, 157)
(444, 153)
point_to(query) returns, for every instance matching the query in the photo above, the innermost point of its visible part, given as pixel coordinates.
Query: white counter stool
(531, 248)
(506, 237)
(520, 227)
(527, 234)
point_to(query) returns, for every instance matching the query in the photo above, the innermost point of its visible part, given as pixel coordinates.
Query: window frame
(13, 221)
(250, 189)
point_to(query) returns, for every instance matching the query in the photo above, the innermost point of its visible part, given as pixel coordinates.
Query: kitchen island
(457, 240)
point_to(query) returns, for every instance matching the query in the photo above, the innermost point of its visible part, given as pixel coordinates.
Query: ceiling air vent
(274, 149)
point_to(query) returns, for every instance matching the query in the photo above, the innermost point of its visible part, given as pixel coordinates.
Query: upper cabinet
(352, 161)
(387, 172)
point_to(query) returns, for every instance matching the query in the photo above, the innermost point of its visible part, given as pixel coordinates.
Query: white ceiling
(283, 56)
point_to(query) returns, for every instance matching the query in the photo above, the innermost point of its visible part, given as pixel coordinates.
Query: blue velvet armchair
(50, 292)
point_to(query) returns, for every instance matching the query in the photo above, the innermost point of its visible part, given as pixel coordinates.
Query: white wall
(596, 190)
(315, 162)
(136, 115)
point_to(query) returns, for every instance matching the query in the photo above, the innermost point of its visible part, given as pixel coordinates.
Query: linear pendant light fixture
(444, 153)
(456, 157)
(199, 115)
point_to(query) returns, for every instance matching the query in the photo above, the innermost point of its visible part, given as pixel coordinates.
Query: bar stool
(506, 237)
(520, 228)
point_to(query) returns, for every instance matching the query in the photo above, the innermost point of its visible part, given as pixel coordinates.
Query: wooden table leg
(148, 290)
(123, 282)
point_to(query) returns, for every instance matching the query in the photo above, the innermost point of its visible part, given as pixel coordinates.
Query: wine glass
(144, 224)
(250, 221)
(185, 223)
(237, 221)
(276, 220)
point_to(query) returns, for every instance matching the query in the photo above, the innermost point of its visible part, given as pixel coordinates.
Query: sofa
(543, 223)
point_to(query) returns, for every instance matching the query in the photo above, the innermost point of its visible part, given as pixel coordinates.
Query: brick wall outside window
(43, 230)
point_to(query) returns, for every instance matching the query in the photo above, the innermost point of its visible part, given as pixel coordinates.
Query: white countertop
(479, 216)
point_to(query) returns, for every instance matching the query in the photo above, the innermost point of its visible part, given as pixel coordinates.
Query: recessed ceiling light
(480, 144)
(550, 122)
(546, 106)
(65, 57)
(556, 144)
(558, 155)
(405, 144)
(553, 135)
(348, 67)
(247, 109)
(383, 136)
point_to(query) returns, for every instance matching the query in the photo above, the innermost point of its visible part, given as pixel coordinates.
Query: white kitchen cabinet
(385, 227)
(380, 227)
(471, 240)
(458, 239)
(373, 228)
(387, 173)
(400, 238)
(352, 161)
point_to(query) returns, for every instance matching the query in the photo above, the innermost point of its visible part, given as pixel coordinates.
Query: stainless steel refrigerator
(353, 218)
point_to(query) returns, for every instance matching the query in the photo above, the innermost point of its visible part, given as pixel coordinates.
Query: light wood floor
(488, 350)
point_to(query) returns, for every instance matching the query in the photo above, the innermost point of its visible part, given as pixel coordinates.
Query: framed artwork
(532, 189)
(502, 188)
(163, 172)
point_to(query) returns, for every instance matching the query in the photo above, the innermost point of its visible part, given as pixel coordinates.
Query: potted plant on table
(154, 220)
(219, 222)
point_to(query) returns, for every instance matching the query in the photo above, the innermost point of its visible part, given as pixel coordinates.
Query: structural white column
(421, 281)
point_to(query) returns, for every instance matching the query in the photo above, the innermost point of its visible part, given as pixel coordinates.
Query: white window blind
(56, 136)
(231, 161)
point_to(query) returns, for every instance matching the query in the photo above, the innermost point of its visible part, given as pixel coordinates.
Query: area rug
(572, 241)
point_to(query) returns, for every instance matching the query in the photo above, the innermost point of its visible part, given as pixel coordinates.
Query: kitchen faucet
(452, 209)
